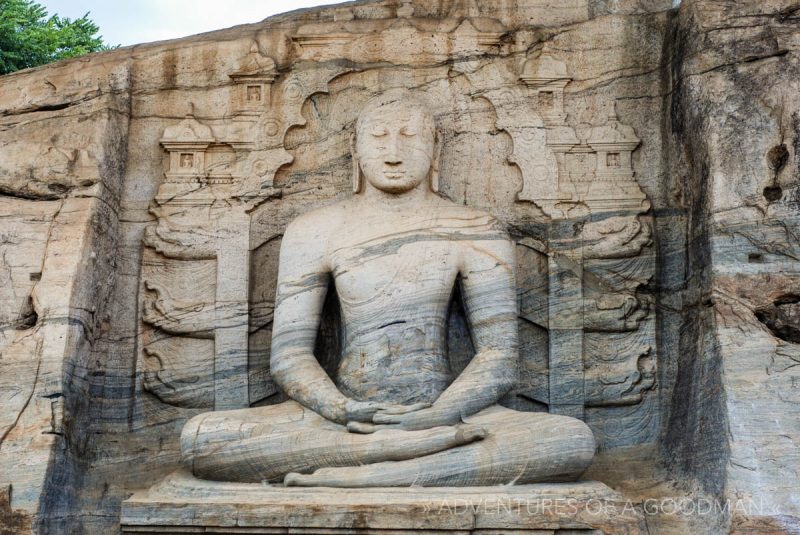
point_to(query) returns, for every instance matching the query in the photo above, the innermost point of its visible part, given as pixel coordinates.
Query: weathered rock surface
(644, 160)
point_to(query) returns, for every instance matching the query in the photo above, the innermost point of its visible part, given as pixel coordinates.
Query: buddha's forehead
(394, 113)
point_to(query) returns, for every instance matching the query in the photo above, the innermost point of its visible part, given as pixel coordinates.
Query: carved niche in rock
(393, 294)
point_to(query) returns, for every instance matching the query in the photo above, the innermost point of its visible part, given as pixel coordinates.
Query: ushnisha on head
(395, 145)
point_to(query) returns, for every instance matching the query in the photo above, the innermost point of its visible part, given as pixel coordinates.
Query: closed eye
(408, 132)
(379, 133)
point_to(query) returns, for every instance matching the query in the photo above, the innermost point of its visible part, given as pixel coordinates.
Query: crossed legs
(266, 443)
(290, 443)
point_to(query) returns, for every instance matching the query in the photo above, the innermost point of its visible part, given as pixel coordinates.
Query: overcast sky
(130, 22)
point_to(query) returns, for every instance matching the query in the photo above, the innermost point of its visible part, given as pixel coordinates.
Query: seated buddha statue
(393, 413)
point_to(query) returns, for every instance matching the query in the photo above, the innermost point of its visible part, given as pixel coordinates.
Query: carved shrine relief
(547, 77)
(613, 186)
(186, 144)
(595, 174)
(414, 39)
(600, 258)
(595, 171)
(195, 346)
(253, 82)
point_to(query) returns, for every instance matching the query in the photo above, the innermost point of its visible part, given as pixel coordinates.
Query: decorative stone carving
(415, 38)
(179, 371)
(177, 317)
(202, 214)
(536, 160)
(547, 77)
(616, 237)
(186, 144)
(588, 188)
(620, 368)
(253, 82)
(619, 346)
(181, 241)
(613, 312)
(594, 176)
(220, 314)
(594, 173)
(613, 186)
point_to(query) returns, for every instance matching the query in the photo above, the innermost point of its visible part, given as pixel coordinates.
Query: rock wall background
(710, 90)
(734, 135)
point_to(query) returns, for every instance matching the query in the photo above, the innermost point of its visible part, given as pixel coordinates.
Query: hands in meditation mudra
(392, 415)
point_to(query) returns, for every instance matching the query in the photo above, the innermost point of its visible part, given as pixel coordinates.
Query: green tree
(28, 37)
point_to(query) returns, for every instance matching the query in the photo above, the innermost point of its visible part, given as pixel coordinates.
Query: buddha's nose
(392, 156)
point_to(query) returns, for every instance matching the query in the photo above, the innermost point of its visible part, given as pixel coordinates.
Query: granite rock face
(642, 158)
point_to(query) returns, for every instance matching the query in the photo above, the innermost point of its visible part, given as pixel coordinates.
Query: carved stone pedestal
(184, 504)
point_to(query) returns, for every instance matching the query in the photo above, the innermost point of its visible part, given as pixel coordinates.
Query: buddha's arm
(303, 277)
(490, 300)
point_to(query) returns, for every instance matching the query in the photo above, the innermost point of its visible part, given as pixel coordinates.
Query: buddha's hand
(423, 418)
(365, 411)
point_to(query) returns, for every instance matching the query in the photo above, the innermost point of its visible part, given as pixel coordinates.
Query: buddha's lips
(394, 174)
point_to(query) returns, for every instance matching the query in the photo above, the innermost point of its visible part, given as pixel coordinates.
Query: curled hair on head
(388, 99)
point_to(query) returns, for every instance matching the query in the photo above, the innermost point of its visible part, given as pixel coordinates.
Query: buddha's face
(394, 147)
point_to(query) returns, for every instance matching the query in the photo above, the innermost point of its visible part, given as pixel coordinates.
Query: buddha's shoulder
(446, 206)
(319, 222)
(469, 217)
(328, 214)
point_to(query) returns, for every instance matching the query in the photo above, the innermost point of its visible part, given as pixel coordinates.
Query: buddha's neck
(398, 202)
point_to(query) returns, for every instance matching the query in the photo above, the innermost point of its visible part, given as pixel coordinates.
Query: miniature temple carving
(253, 82)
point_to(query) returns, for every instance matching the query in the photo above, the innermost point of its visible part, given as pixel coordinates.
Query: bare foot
(293, 479)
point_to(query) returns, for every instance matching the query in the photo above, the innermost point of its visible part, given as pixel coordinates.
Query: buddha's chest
(404, 271)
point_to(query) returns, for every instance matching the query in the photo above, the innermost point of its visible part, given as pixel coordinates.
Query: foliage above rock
(28, 37)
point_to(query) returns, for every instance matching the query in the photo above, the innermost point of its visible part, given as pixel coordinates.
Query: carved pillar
(231, 338)
(565, 321)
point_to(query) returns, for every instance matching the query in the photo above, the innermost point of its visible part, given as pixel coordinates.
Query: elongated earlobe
(358, 178)
(437, 149)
